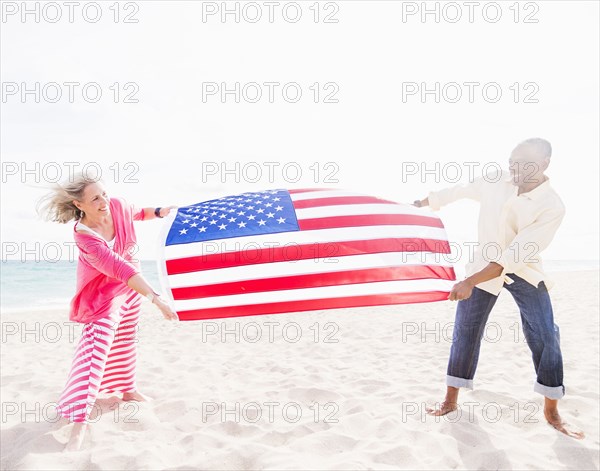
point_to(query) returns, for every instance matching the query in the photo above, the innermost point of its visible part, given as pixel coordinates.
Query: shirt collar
(539, 191)
(536, 193)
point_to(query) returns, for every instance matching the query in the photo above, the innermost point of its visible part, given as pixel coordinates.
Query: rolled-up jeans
(541, 333)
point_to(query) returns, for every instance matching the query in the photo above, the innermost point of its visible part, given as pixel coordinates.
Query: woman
(108, 296)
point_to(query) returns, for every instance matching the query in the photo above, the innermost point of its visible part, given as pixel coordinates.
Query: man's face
(526, 166)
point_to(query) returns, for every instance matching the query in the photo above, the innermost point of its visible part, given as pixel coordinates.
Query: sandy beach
(339, 389)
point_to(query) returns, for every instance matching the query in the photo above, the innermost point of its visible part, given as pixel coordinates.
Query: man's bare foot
(449, 404)
(77, 436)
(445, 408)
(554, 419)
(136, 396)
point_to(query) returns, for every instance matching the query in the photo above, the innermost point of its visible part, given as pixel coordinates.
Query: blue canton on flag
(253, 213)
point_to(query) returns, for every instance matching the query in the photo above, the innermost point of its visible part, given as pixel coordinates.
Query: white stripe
(311, 195)
(384, 287)
(68, 401)
(121, 357)
(81, 379)
(305, 267)
(128, 357)
(118, 383)
(318, 236)
(359, 210)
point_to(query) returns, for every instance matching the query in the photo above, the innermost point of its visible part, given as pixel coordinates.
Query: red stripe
(303, 252)
(116, 370)
(340, 200)
(114, 382)
(312, 304)
(307, 190)
(331, 222)
(410, 272)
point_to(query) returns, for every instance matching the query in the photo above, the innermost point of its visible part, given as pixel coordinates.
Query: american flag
(279, 251)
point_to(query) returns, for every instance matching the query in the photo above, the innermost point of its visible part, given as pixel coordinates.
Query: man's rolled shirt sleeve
(106, 261)
(536, 235)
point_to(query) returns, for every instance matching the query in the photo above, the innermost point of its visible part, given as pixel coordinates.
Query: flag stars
(235, 216)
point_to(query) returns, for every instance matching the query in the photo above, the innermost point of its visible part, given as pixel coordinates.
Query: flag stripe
(299, 195)
(313, 280)
(288, 253)
(325, 211)
(325, 236)
(368, 220)
(298, 191)
(320, 292)
(305, 267)
(313, 304)
(338, 200)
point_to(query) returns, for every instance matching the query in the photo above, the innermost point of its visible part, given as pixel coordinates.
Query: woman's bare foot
(554, 419)
(449, 404)
(77, 436)
(136, 396)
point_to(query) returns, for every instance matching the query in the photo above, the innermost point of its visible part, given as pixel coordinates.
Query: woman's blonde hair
(58, 206)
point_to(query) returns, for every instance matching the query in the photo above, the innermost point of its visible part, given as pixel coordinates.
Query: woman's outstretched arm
(138, 283)
(149, 212)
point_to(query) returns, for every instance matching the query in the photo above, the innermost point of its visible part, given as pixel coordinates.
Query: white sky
(368, 135)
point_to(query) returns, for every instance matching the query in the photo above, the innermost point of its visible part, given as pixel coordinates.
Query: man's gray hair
(541, 147)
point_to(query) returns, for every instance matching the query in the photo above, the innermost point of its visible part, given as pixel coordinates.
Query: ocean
(49, 285)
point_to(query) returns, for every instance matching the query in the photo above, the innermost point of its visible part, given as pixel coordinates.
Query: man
(518, 218)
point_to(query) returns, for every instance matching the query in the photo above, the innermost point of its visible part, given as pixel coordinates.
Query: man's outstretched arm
(436, 199)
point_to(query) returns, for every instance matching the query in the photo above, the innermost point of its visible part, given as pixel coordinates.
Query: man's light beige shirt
(512, 230)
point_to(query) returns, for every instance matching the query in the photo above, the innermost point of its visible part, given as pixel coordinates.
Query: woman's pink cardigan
(102, 272)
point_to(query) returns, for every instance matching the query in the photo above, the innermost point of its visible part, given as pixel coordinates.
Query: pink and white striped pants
(104, 360)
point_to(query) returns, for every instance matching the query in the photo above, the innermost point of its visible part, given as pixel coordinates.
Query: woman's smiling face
(95, 201)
